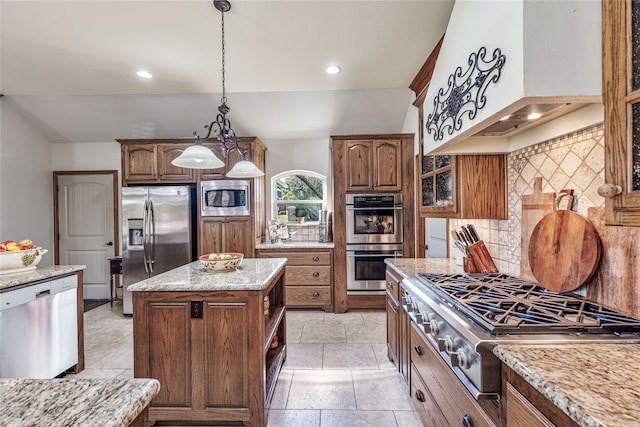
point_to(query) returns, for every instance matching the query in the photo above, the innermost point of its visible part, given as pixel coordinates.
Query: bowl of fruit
(19, 256)
(221, 262)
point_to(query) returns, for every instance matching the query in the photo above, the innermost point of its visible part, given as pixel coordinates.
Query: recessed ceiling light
(144, 74)
(502, 119)
(332, 69)
(534, 116)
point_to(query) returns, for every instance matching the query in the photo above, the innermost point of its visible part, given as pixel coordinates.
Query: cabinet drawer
(301, 258)
(453, 399)
(308, 295)
(393, 284)
(424, 403)
(320, 275)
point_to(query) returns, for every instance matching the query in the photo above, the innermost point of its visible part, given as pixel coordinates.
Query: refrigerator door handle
(145, 220)
(152, 236)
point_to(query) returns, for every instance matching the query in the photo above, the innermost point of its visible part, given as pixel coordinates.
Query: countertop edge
(37, 275)
(292, 246)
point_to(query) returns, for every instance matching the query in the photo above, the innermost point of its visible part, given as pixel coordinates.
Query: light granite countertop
(410, 267)
(296, 245)
(595, 384)
(74, 402)
(253, 274)
(37, 275)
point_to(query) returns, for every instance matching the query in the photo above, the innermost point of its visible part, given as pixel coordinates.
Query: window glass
(299, 193)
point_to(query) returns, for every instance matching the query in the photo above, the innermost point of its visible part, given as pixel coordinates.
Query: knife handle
(474, 232)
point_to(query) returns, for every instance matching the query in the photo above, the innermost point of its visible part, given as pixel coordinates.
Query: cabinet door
(226, 355)
(438, 186)
(387, 169)
(139, 163)
(237, 236)
(216, 148)
(211, 235)
(359, 158)
(392, 330)
(621, 96)
(168, 172)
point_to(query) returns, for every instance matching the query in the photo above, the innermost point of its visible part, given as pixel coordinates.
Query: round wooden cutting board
(564, 251)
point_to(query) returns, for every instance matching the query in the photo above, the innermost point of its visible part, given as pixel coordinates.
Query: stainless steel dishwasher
(39, 329)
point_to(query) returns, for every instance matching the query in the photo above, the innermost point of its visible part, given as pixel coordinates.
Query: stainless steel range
(465, 316)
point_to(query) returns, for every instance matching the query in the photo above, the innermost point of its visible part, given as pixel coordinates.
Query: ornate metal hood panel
(509, 59)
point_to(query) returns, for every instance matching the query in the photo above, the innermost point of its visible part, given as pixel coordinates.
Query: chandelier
(198, 156)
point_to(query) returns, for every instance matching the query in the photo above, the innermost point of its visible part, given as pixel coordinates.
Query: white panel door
(85, 204)
(436, 235)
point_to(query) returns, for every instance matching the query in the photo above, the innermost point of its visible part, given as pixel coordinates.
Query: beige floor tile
(304, 316)
(304, 356)
(98, 373)
(294, 331)
(321, 333)
(374, 317)
(321, 389)
(349, 356)
(344, 318)
(358, 419)
(281, 392)
(381, 390)
(293, 418)
(369, 333)
(408, 418)
(380, 350)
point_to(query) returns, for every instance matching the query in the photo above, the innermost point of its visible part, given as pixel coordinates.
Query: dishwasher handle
(43, 293)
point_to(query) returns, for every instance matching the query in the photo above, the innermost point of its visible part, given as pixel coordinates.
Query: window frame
(293, 172)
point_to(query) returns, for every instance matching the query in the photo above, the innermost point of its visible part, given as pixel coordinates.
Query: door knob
(609, 190)
(109, 243)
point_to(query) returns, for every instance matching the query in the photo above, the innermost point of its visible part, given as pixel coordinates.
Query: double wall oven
(374, 232)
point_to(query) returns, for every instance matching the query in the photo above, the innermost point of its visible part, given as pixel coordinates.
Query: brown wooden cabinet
(374, 165)
(233, 157)
(168, 172)
(211, 352)
(621, 96)
(308, 276)
(144, 162)
(226, 234)
(522, 405)
(397, 325)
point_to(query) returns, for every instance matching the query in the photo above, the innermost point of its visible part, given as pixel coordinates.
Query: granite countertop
(37, 275)
(74, 402)
(296, 245)
(253, 274)
(595, 384)
(410, 267)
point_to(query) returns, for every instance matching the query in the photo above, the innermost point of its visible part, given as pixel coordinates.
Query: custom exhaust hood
(500, 61)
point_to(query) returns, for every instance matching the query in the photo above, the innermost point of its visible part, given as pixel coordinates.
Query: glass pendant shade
(197, 157)
(245, 169)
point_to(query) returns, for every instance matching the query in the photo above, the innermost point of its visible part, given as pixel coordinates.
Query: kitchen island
(214, 339)
(77, 402)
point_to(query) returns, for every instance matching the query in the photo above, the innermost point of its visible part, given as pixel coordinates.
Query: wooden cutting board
(564, 251)
(535, 206)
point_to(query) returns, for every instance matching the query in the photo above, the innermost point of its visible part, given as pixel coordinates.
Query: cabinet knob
(316, 294)
(609, 191)
(418, 349)
(315, 258)
(316, 274)
(467, 421)
(420, 396)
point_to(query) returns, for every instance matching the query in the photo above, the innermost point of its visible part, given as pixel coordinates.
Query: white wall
(26, 197)
(86, 156)
(295, 154)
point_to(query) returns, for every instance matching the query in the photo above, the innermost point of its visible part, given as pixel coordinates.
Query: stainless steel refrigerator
(157, 233)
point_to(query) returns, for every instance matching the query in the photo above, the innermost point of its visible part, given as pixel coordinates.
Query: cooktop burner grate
(503, 304)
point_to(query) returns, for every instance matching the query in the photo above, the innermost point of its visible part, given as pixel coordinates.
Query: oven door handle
(351, 208)
(394, 254)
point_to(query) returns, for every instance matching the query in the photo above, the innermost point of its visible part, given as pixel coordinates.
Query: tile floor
(336, 373)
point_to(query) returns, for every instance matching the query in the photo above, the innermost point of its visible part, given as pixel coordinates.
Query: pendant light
(196, 156)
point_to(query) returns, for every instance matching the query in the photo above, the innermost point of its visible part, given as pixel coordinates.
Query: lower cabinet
(227, 234)
(211, 352)
(523, 405)
(397, 325)
(308, 276)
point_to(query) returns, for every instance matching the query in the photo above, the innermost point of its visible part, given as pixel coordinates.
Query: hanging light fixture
(198, 156)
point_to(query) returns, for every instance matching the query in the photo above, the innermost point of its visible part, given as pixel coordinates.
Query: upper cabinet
(234, 156)
(373, 165)
(621, 95)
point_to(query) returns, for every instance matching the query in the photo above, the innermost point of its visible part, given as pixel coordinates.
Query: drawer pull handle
(467, 421)
(316, 294)
(390, 284)
(420, 396)
(316, 274)
(315, 258)
(418, 349)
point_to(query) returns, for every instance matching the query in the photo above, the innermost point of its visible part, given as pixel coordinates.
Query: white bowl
(28, 259)
(219, 262)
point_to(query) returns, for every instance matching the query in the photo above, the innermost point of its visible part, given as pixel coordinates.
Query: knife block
(481, 258)
(469, 266)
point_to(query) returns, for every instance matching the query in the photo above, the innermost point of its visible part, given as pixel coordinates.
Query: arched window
(298, 191)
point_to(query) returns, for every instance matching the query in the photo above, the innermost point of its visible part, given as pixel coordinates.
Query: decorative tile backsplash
(573, 161)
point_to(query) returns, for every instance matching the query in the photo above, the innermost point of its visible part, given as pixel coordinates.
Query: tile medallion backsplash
(573, 161)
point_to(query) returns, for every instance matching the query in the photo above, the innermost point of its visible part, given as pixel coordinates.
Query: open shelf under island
(207, 337)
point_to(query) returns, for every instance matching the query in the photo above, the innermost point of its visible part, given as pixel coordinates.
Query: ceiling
(69, 66)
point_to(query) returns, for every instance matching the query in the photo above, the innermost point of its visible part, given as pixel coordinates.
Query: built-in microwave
(224, 197)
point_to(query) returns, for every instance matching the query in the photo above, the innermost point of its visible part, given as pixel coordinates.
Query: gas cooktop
(503, 305)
